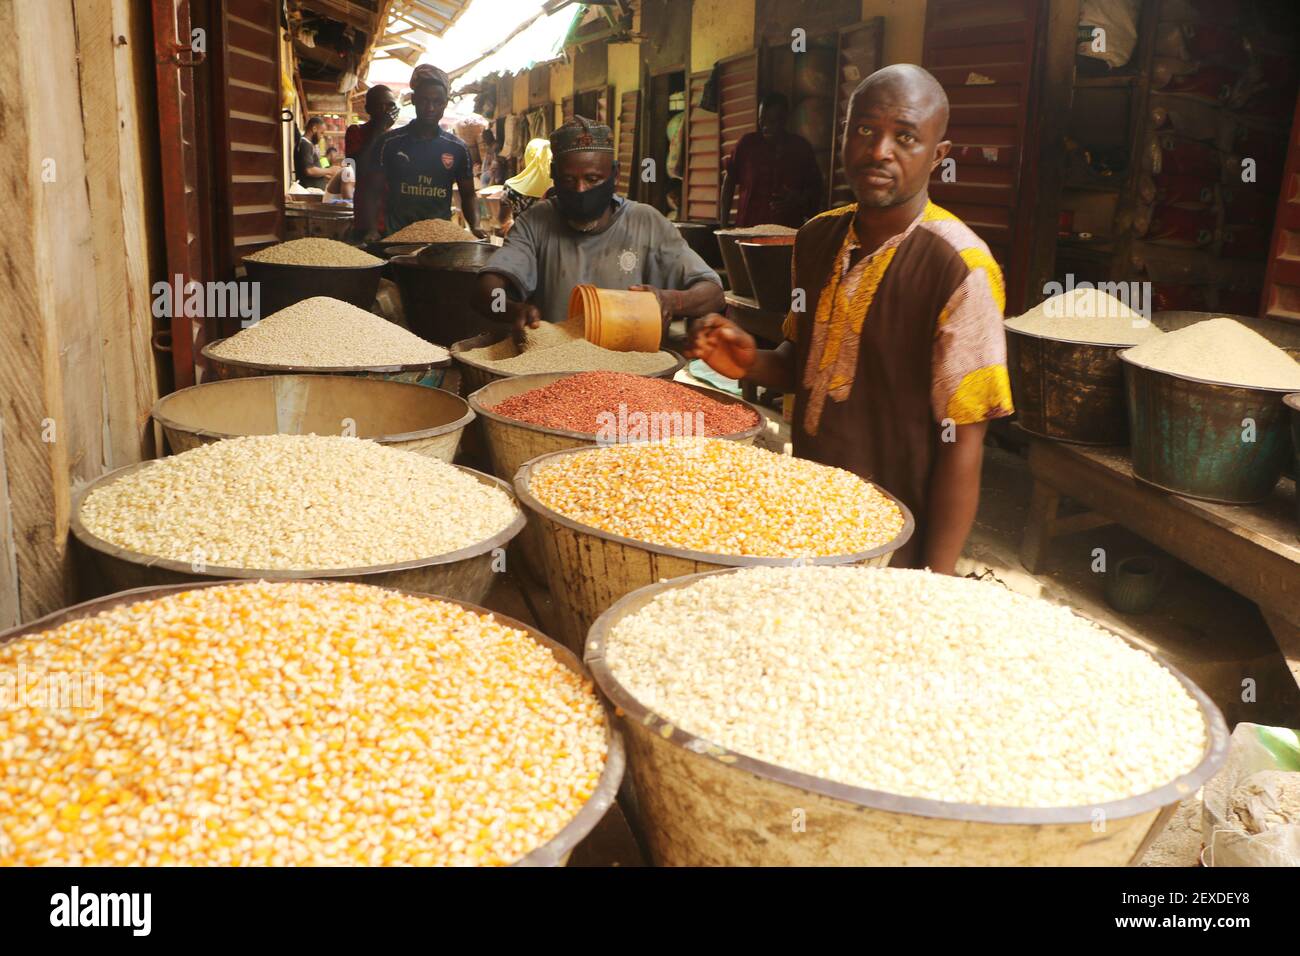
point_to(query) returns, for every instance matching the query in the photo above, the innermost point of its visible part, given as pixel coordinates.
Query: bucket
(768, 260)
(617, 319)
(1203, 439)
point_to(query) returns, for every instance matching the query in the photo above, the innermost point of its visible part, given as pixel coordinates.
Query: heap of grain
(720, 497)
(910, 683)
(297, 502)
(768, 229)
(321, 332)
(294, 724)
(1220, 350)
(1085, 315)
(315, 252)
(431, 230)
(560, 347)
(589, 401)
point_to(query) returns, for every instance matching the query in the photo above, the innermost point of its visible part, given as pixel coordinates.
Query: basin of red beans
(584, 402)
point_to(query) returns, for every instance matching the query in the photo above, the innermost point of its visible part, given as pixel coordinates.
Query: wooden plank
(40, 125)
(118, 235)
(9, 609)
(1253, 550)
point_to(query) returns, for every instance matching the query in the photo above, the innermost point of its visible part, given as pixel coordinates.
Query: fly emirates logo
(102, 909)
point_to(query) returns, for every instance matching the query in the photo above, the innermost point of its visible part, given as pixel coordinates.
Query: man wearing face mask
(421, 162)
(584, 233)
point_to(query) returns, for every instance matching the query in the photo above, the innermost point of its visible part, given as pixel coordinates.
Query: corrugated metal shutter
(858, 56)
(700, 188)
(737, 105)
(629, 110)
(1282, 282)
(182, 216)
(248, 129)
(982, 51)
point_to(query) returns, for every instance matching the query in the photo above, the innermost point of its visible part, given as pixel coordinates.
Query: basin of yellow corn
(290, 723)
(720, 497)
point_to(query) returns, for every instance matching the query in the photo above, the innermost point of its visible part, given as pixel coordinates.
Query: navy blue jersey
(420, 174)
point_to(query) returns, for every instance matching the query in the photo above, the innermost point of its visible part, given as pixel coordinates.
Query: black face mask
(586, 206)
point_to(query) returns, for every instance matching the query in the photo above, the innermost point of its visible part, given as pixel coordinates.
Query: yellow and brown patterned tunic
(892, 348)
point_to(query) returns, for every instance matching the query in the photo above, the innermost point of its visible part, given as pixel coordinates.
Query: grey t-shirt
(545, 259)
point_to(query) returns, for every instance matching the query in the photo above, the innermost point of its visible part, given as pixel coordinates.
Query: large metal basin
(465, 575)
(427, 421)
(437, 285)
(588, 570)
(701, 805)
(282, 285)
(1205, 439)
(429, 374)
(556, 851)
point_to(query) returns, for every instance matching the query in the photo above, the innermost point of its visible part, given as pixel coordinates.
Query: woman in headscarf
(532, 183)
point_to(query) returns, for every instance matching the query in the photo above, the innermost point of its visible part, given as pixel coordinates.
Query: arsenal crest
(448, 160)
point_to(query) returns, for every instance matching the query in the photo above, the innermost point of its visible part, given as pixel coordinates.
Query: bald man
(897, 361)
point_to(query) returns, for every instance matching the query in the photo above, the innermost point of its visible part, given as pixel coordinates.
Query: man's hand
(478, 233)
(526, 316)
(669, 301)
(723, 345)
(387, 118)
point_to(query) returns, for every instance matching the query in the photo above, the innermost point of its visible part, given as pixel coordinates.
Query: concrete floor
(1216, 637)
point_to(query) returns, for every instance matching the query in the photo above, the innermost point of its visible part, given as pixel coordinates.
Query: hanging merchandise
(676, 145)
(1108, 30)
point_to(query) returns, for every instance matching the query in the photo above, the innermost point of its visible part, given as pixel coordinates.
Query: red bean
(584, 403)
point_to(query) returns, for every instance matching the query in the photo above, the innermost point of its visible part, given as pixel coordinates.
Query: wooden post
(76, 372)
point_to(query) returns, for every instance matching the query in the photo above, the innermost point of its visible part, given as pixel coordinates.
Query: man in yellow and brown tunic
(897, 361)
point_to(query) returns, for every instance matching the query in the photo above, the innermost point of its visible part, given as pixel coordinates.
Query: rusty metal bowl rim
(96, 543)
(464, 421)
(245, 260)
(321, 369)
(634, 712)
(549, 853)
(458, 350)
(476, 405)
(741, 233)
(530, 501)
(423, 245)
(1063, 341)
(1133, 363)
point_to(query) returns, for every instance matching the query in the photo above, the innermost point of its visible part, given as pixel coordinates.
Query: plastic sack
(1262, 764)
(1118, 18)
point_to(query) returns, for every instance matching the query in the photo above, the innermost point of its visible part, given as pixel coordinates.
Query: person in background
(312, 173)
(532, 183)
(331, 157)
(359, 145)
(775, 171)
(488, 165)
(343, 185)
(421, 162)
(584, 233)
(898, 362)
